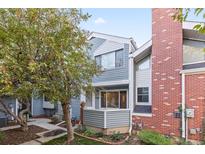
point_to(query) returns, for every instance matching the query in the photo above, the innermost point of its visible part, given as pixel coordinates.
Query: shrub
(1, 136)
(80, 129)
(99, 134)
(183, 142)
(89, 132)
(153, 138)
(116, 136)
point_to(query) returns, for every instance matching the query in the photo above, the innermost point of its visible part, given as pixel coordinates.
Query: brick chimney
(167, 60)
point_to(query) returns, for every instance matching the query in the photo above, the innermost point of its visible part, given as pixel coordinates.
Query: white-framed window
(108, 60)
(193, 54)
(114, 99)
(119, 58)
(144, 64)
(143, 95)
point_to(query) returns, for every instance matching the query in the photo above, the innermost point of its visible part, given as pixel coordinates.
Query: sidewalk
(43, 123)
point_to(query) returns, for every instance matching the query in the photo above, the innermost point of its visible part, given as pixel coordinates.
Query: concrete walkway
(43, 123)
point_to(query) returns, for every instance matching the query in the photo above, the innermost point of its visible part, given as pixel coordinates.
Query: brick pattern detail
(166, 79)
(195, 99)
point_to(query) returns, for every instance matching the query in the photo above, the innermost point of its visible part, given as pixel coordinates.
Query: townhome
(108, 107)
(165, 85)
(158, 86)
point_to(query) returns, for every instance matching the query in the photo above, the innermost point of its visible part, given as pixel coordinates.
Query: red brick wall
(166, 80)
(195, 99)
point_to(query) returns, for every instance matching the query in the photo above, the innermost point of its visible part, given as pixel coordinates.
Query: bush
(89, 132)
(183, 142)
(1, 136)
(153, 138)
(116, 136)
(80, 129)
(99, 134)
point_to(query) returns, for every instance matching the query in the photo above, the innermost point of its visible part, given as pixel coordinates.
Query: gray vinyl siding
(94, 118)
(38, 106)
(39, 110)
(75, 105)
(11, 102)
(114, 119)
(119, 73)
(118, 118)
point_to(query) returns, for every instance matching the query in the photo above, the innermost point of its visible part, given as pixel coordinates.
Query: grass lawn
(77, 141)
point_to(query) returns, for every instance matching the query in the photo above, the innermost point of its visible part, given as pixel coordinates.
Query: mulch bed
(106, 139)
(17, 136)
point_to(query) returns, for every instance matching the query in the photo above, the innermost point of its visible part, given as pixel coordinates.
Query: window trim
(115, 51)
(188, 63)
(202, 61)
(149, 97)
(113, 90)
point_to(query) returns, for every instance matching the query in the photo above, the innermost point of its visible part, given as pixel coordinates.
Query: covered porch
(107, 109)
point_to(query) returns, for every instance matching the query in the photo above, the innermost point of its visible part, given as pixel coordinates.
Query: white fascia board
(111, 83)
(110, 37)
(193, 71)
(142, 48)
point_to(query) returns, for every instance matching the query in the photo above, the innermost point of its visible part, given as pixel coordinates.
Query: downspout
(184, 127)
(131, 90)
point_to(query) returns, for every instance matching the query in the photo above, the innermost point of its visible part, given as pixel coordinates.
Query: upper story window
(110, 60)
(144, 64)
(119, 58)
(193, 52)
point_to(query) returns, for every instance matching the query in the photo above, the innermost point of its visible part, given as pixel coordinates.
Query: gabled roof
(144, 50)
(114, 38)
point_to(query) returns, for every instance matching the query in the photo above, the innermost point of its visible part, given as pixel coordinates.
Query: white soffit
(142, 48)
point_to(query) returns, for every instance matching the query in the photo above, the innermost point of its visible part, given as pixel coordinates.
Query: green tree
(54, 54)
(183, 13)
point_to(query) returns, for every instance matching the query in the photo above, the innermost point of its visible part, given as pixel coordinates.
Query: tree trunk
(66, 112)
(23, 123)
(20, 119)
